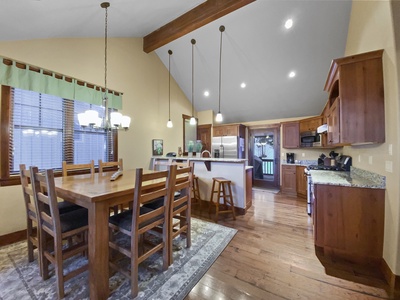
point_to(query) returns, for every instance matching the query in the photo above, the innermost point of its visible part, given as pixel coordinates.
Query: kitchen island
(232, 169)
(348, 214)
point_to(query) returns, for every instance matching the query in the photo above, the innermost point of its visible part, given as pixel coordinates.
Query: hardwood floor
(273, 257)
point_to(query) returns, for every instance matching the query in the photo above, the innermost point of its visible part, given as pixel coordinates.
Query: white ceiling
(257, 49)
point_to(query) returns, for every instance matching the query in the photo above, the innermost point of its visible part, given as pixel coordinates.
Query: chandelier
(113, 120)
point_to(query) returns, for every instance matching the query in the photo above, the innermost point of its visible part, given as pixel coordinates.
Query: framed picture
(157, 147)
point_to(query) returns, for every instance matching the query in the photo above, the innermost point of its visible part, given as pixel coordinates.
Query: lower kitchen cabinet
(349, 222)
(289, 180)
(301, 182)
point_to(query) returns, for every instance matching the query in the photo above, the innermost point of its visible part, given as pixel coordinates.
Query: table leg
(98, 251)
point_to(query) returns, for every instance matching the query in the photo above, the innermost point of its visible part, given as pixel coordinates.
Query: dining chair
(75, 167)
(68, 168)
(31, 211)
(180, 207)
(158, 202)
(105, 166)
(139, 220)
(32, 232)
(58, 227)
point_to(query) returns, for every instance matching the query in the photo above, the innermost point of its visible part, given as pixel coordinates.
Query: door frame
(261, 130)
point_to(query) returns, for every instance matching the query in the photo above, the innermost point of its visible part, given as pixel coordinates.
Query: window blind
(44, 131)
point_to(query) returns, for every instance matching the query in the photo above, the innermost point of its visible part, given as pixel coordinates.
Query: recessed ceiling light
(292, 74)
(289, 23)
(243, 85)
(206, 93)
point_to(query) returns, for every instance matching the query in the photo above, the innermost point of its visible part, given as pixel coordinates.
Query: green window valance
(23, 76)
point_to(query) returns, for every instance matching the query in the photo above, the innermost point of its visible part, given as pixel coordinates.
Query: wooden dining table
(97, 193)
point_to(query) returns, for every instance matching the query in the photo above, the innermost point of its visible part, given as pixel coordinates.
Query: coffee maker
(290, 158)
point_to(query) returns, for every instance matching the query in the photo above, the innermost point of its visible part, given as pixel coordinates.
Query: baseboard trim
(392, 279)
(12, 238)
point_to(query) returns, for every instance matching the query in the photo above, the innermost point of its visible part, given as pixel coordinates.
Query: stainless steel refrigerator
(228, 146)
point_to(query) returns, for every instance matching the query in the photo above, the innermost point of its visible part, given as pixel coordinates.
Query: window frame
(7, 179)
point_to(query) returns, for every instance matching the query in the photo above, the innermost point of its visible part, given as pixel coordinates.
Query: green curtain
(26, 79)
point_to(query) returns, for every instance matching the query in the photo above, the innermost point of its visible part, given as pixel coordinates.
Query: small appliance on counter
(290, 158)
(332, 164)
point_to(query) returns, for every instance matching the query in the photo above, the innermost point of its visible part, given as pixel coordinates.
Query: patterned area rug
(20, 279)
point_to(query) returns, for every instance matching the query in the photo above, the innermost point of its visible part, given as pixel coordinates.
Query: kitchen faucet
(205, 151)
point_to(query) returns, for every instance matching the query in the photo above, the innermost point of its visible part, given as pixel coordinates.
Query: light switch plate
(390, 149)
(370, 160)
(389, 166)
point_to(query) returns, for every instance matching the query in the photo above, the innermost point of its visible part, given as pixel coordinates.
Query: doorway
(264, 155)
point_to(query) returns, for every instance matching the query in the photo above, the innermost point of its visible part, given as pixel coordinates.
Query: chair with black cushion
(105, 166)
(85, 168)
(180, 208)
(66, 171)
(72, 225)
(140, 220)
(159, 202)
(31, 216)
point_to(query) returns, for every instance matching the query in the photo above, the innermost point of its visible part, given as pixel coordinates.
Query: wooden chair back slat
(75, 167)
(112, 165)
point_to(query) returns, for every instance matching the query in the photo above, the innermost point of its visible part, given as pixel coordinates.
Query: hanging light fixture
(218, 118)
(193, 119)
(114, 120)
(169, 123)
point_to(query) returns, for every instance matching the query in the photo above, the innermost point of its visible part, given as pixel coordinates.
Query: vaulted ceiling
(257, 48)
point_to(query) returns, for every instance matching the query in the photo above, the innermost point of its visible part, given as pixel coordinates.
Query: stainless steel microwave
(307, 138)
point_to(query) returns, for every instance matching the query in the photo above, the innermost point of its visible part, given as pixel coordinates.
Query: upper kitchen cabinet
(291, 135)
(310, 124)
(355, 108)
(230, 130)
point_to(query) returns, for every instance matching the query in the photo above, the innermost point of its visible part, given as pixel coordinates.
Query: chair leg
(58, 266)
(29, 232)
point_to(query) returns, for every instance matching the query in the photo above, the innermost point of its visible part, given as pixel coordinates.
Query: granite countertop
(354, 178)
(194, 158)
(304, 163)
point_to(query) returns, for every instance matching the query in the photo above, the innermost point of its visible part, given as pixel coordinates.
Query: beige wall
(371, 28)
(141, 77)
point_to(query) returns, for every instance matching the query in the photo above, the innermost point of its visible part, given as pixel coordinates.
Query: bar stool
(224, 191)
(196, 192)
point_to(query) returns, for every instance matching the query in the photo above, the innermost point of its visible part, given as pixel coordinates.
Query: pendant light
(169, 123)
(114, 120)
(193, 119)
(218, 118)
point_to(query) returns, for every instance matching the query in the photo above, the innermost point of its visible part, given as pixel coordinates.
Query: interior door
(204, 134)
(264, 155)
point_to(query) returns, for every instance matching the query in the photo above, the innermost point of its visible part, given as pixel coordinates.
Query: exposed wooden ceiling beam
(193, 19)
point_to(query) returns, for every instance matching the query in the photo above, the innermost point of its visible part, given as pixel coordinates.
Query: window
(43, 130)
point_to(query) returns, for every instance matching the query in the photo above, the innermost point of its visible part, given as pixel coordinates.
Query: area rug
(20, 279)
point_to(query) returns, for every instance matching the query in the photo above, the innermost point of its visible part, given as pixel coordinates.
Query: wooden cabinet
(230, 130)
(333, 124)
(301, 182)
(289, 180)
(290, 135)
(310, 124)
(357, 82)
(249, 188)
(349, 222)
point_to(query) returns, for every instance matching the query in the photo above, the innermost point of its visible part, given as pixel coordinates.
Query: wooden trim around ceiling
(199, 16)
